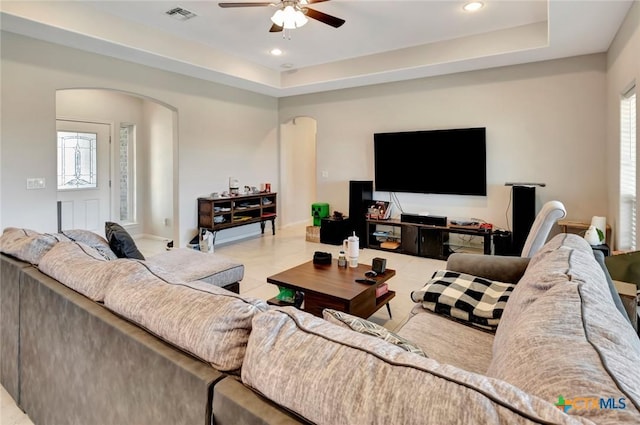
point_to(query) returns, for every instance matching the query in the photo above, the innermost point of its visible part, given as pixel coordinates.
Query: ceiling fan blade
(250, 4)
(323, 17)
(311, 1)
(275, 28)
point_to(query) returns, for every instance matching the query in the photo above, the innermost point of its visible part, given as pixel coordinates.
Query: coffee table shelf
(385, 298)
(279, 303)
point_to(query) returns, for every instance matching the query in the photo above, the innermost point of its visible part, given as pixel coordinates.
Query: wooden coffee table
(330, 286)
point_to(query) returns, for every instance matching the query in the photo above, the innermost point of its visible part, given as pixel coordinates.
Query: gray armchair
(550, 213)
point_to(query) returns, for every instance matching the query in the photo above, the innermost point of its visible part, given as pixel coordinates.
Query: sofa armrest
(234, 404)
(494, 267)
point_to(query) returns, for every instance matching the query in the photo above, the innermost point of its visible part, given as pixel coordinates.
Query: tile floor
(265, 255)
(10, 413)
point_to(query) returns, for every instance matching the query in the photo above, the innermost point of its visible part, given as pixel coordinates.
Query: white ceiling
(381, 41)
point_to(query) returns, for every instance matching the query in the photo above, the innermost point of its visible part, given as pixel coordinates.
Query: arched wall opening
(143, 177)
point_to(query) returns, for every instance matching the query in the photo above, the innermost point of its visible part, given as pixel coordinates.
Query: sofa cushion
(366, 327)
(204, 320)
(28, 245)
(472, 299)
(189, 265)
(121, 241)
(449, 341)
(83, 268)
(331, 375)
(561, 335)
(92, 239)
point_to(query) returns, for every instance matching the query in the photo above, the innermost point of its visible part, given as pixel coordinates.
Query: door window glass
(77, 160)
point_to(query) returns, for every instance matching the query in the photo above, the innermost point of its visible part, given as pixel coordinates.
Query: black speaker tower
(360, 196)
(523, 214)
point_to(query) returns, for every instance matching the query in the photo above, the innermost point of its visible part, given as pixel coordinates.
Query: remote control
(368, 281)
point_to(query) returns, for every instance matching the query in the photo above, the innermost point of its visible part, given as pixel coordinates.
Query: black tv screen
(450, 161)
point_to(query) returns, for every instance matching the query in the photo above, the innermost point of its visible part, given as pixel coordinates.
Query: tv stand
(424, 240)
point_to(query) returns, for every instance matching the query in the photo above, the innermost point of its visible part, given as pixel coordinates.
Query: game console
(432, 220)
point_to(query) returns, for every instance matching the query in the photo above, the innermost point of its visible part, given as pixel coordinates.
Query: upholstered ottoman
(191, 265)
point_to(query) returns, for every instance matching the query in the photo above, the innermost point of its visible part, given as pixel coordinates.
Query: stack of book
(381, 290)
(379, 210)
(390, 245)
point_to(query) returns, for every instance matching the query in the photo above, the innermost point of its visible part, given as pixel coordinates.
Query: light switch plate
(36, 183)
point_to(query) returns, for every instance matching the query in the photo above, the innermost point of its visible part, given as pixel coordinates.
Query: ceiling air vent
(180, 14)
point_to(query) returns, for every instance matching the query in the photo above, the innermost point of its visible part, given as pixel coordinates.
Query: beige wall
(222, 131)
(623, 69)
(545, 123)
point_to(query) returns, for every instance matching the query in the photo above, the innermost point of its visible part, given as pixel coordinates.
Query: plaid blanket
(465, 297)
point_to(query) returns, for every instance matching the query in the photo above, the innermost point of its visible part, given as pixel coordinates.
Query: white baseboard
(152, 237)
(297, 223)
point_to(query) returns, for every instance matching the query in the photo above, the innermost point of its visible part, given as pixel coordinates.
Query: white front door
(84, 181)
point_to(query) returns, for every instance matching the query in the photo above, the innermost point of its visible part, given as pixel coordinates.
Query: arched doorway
(142, 175)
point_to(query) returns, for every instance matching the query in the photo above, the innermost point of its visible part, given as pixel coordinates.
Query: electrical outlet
(35, 183)
(325, 174)
(167, 222)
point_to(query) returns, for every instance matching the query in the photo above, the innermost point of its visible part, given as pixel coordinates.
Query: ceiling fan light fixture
(278, 17)
(300, 19)
(289, 18)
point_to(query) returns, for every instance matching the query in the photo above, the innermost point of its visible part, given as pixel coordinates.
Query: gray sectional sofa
(157, 348)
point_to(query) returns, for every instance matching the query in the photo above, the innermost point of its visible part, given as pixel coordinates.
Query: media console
(216, 214)
(423, 240)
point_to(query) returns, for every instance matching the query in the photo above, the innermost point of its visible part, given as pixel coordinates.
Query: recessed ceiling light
(276, 52)
(287, 65)
(473, 6)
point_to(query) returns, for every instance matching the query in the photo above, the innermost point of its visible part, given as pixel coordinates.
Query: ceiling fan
(291, 13)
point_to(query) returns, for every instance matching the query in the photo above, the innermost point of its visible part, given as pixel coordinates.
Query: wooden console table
(216, 214)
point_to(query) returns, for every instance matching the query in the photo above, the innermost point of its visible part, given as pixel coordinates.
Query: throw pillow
(366, 327)
(92, 239)
(121, 241)
(472, 299)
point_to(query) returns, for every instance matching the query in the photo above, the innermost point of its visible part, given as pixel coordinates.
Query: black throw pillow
(121, 242)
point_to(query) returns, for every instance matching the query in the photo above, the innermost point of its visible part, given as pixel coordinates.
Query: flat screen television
(452, 161)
